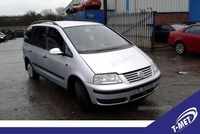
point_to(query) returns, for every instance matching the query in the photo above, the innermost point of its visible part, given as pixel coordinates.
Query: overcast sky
(20, 7)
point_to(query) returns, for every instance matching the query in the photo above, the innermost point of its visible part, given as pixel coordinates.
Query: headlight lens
(107, 79)
(155, 68)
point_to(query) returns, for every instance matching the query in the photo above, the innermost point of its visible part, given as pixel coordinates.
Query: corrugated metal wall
(156, 5)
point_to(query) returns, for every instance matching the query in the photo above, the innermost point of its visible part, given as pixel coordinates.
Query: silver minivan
(92, 60)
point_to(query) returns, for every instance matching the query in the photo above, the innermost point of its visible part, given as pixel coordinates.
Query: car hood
(120, 61)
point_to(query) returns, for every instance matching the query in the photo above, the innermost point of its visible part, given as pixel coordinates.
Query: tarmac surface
(25, 99)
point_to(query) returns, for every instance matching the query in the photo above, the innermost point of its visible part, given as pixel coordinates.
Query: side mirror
(55, 51)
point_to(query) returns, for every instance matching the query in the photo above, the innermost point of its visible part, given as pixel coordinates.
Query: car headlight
(107, 79)
(155, 68)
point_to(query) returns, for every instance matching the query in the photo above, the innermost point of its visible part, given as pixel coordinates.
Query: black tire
(180, 48)
(82, 96)
(31, 72)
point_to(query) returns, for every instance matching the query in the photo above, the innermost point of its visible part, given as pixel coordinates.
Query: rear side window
(195, 30)
(167, 28)
(29, 33)
(38, 38)
(187, 30)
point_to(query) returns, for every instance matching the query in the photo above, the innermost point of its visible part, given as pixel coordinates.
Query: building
(168, 11)
(136, 19)
(194, 10)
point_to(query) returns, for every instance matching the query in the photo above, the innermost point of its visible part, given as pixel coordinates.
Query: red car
(186, 39)
(89, 4)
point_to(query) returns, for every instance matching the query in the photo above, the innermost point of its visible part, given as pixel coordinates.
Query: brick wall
(162, 18)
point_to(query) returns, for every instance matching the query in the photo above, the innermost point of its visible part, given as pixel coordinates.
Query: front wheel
(31, 72)
(180, 48)
(82, 96)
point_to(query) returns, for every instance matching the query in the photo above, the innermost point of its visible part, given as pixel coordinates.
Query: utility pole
(105, 11)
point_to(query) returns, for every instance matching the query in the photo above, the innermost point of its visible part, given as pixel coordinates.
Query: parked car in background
(3, 30)
(10, 35)
(72, 9)
(92, 60)
(186, 40)
(2, 37)
(89, 4)
(162, 31)
(19, 33)
(191, 22)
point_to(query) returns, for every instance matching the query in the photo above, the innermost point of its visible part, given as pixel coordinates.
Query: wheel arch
(26, 60)
(71, 84)
(179, 40)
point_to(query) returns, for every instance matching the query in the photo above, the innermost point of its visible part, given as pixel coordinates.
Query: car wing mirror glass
(55, 51)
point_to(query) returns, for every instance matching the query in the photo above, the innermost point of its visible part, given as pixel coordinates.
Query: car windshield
(89, 39)
(178, 26)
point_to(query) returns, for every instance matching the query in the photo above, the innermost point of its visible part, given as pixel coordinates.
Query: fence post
(105, 11)
(153, 32)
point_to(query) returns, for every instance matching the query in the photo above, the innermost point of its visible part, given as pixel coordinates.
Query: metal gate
(138, 27)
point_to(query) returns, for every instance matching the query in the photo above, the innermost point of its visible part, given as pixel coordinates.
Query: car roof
(171, 24)
(64, 24)
(191, 22)
(194, 25)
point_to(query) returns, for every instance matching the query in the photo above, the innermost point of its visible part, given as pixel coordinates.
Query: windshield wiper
(105, 49)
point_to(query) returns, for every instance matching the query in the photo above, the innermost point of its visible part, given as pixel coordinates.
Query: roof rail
(43, 21)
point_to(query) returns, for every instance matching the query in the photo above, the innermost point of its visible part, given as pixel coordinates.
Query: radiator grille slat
(138, 75)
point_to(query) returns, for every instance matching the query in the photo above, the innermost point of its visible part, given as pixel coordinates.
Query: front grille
(138, 75)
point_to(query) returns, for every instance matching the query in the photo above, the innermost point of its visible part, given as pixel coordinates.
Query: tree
(29, 17)
(59, 10)
(48, 14)
(30, 13)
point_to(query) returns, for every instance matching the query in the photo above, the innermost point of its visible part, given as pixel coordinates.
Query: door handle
(30, 51)
(45, 57)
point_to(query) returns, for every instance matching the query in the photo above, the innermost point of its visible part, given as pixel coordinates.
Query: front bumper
(115, 94)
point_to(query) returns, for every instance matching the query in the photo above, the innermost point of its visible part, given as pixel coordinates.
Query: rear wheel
(180, 48)
(82, 96)
(31, 72)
